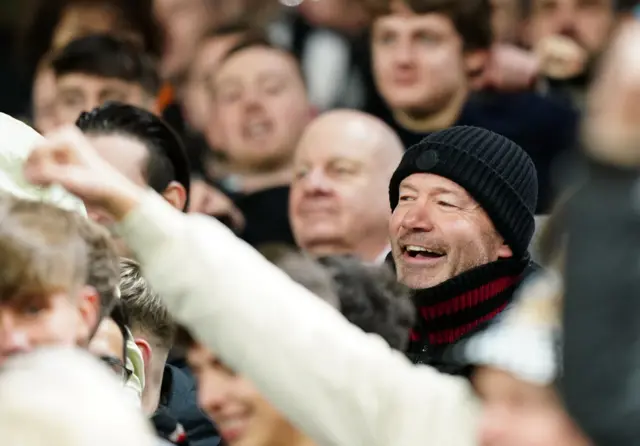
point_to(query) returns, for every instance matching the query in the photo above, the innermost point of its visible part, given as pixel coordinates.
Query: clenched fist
(67, 158)
(561, 58)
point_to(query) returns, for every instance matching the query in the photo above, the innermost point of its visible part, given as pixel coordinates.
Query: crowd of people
(323, 222)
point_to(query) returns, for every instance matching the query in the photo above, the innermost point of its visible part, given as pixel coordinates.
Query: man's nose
(418, 218)
(404, 54)
(316, 182)
(212, 394)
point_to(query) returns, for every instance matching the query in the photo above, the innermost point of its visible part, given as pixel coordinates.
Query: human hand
(509, 69)
(206, 199)
(67, 158)
(560, 57)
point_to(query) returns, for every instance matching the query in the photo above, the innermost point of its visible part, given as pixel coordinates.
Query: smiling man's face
(439, 231)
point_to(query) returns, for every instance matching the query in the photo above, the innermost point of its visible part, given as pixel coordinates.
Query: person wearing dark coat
(601, 364)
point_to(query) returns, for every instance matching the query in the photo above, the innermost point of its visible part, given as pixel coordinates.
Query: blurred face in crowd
(261, 106)
(517, 413)
(184, 23)
(418, 61)
(44, 296)
(587, 22)
(241, 415)
(438, 231)
(78, 92)
(338, 200)
(108, 345)
(57, 319)
(44, 101)
(197, 99)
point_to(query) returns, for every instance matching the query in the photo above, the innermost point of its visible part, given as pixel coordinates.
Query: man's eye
(406, 198)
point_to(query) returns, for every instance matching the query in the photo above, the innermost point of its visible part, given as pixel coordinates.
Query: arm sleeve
(601, 382)
(337, 384)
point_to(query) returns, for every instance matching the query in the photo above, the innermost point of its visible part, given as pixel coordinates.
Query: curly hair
(372, 299)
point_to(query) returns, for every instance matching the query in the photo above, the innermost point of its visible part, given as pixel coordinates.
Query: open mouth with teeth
(420, 252)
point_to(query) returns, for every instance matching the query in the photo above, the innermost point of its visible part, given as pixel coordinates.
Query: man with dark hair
(94, 69)
(427, 56)
(142, 147)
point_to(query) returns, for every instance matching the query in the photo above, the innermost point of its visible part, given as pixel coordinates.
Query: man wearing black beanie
(463, 202)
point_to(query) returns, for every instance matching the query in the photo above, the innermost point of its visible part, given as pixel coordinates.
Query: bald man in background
(338, 202)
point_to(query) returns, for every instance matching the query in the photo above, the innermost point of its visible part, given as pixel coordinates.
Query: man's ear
(504, 252)
(89, 312)
(176, 195)
(147, 352)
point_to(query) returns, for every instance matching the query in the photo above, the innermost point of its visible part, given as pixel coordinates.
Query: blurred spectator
(600, 310)
(53, 24)
(51, 292)
(184, 23)
(568, 36)
(329, 38)
(44, 110)
(168, 390)
(425, 56)
(338, 202)
(142, 147)
(261, 106)
(62, 397)
(196, 98)
(100, 68)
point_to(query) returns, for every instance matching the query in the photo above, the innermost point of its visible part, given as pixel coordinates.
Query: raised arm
(339, 385)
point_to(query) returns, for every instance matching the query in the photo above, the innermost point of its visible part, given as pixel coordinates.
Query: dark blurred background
(14, 93)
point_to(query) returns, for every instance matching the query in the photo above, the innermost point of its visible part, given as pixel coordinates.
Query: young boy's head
(56, 282)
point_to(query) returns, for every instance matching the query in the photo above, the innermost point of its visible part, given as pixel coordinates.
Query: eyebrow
(411, 187)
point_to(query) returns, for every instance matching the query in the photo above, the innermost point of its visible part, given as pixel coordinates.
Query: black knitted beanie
(494, 170)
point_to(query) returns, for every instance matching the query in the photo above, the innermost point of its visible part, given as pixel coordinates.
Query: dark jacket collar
(462, 306)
